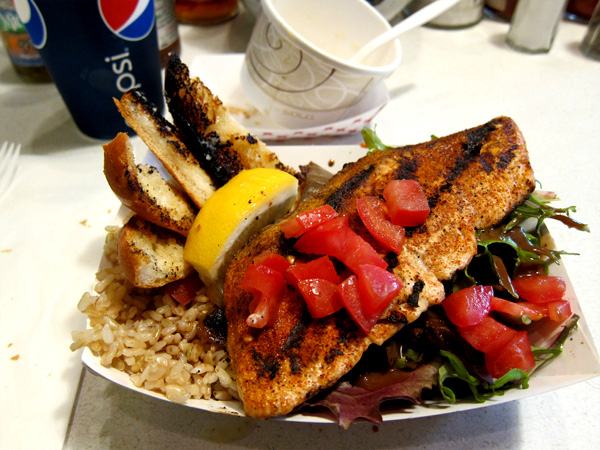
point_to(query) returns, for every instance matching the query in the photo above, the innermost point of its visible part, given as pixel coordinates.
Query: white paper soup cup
(296, 68)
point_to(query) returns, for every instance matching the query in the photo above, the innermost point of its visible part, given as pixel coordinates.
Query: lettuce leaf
(347, 402)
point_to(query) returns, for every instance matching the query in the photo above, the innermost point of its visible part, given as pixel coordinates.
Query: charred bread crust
(163, 140)
(220, 143)
(142, 189)
(151, 256)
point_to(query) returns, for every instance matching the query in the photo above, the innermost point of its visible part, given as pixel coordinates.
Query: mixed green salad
(457, 351)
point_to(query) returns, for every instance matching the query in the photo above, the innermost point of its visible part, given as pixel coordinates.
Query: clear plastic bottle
(24, 57)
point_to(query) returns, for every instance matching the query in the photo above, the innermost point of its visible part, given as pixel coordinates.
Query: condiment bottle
(166, 27)
(534, 24)
(205, 12)
(24, 57)
(591, 42)
(464, 14)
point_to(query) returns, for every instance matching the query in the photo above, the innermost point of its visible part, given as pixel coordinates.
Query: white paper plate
(578, 362)
(222, 75)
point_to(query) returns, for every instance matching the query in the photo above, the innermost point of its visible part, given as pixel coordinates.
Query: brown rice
(158, 342)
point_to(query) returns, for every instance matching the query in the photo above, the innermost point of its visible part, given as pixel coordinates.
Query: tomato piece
(321, 296)
(516, 310)
(357, 252)
(266, 286)
(273, 261)
(263, 312)
(559, 311)
(303, 222)
(372, 212)
(540, 288)
(326, 239)
(468, 306)
(406, 202)
(184, 291)
(516, 354)
(264, 280)
(377, 288)
(350, 296)
(335, 238)
(317, 268)
(488, 336)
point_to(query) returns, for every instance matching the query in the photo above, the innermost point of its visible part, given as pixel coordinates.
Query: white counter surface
(52, 229)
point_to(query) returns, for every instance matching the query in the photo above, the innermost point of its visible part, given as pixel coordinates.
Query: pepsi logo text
(122, 66)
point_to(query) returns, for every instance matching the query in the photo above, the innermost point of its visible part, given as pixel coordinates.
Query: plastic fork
(9, 159)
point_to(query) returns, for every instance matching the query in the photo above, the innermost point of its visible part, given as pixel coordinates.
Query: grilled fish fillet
(472, 180)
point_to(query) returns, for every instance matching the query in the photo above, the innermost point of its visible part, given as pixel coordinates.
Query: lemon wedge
(235, 212)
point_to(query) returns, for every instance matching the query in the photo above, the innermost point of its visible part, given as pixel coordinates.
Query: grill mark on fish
(487, 162)
(332, 354)
(506, 157)
(337, 199)
(268, 367)
(407, 168)
(394, 318)
(295, 337)
(295, 364)
(413, 298)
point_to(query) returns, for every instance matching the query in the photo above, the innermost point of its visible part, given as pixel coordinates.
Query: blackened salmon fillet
(472, 180)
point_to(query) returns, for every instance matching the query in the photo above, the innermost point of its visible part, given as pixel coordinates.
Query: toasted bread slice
(162, 139)
(142, 189)
(151, 256)
(222, 146)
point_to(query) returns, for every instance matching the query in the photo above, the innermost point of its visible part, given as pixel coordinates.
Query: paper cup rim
(378, 71)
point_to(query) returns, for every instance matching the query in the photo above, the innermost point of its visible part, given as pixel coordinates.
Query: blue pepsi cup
(95, 50)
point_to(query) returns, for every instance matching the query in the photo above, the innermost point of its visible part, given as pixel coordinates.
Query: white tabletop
(52, 230)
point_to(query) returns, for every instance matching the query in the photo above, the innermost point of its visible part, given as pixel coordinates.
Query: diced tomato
(377, 288)
(540, 288)
(267, 286)
(357, 252)
(559, 311)
(488, 336)
(321, 296)
(273, 261)
(263, 312)
(406, 202)
(335, 238)
(350, 296)
(262, 279)
(326, 239)
(184, 291)
(372, 212)
(317, 268)
(516, 310)
(516, 354)
(303, 222)
(468, 306)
